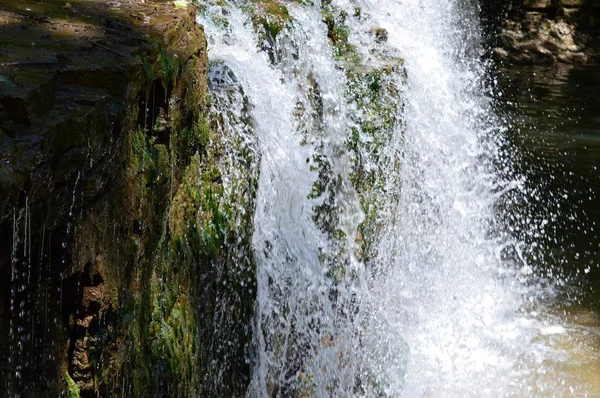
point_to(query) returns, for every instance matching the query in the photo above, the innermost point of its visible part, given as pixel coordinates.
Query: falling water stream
(449, 300)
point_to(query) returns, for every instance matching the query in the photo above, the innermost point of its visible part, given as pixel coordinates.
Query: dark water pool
(554, 114)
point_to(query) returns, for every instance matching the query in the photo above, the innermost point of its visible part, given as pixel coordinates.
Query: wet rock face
(98, 107)
(548, 31)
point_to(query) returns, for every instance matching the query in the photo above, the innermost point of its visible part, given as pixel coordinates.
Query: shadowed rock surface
(546, 31)
(104, 144)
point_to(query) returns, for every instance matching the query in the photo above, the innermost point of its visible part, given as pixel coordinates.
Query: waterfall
(444, 292)
(385, 264)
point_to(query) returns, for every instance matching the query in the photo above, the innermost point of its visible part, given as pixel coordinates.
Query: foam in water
(439, 309)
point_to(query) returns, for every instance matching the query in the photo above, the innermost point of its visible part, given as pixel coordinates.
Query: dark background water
(554, 113)
(554, 139)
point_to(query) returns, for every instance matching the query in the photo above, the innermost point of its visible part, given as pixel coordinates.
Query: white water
(443, 314)
(444, 293)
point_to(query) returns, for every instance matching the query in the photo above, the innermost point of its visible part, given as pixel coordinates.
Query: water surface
(555, 132)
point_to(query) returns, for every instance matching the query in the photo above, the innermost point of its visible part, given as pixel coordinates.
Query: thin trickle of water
(386, 263)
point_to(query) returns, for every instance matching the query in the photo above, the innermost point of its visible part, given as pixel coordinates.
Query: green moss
(167, 66)
(162, 162)
(139, 153)
(196, 138)
(202, 132)
(172, 330)
(73, 390)
(375, 93)
(190, 249)
(201, 203)
(271, 15)
(147, 69)
(338, 34)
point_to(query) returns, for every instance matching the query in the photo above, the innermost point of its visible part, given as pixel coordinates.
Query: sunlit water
(467, 293)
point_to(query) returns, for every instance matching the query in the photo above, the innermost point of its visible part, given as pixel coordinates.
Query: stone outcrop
(106, 154)
(548, 31)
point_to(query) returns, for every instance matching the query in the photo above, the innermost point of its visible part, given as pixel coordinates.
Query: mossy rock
(73, 390)
(270, 15)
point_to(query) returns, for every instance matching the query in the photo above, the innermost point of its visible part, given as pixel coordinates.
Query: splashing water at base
(444, 303)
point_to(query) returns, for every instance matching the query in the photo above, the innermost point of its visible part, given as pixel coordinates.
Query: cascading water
(384, 264)
(445, 293)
